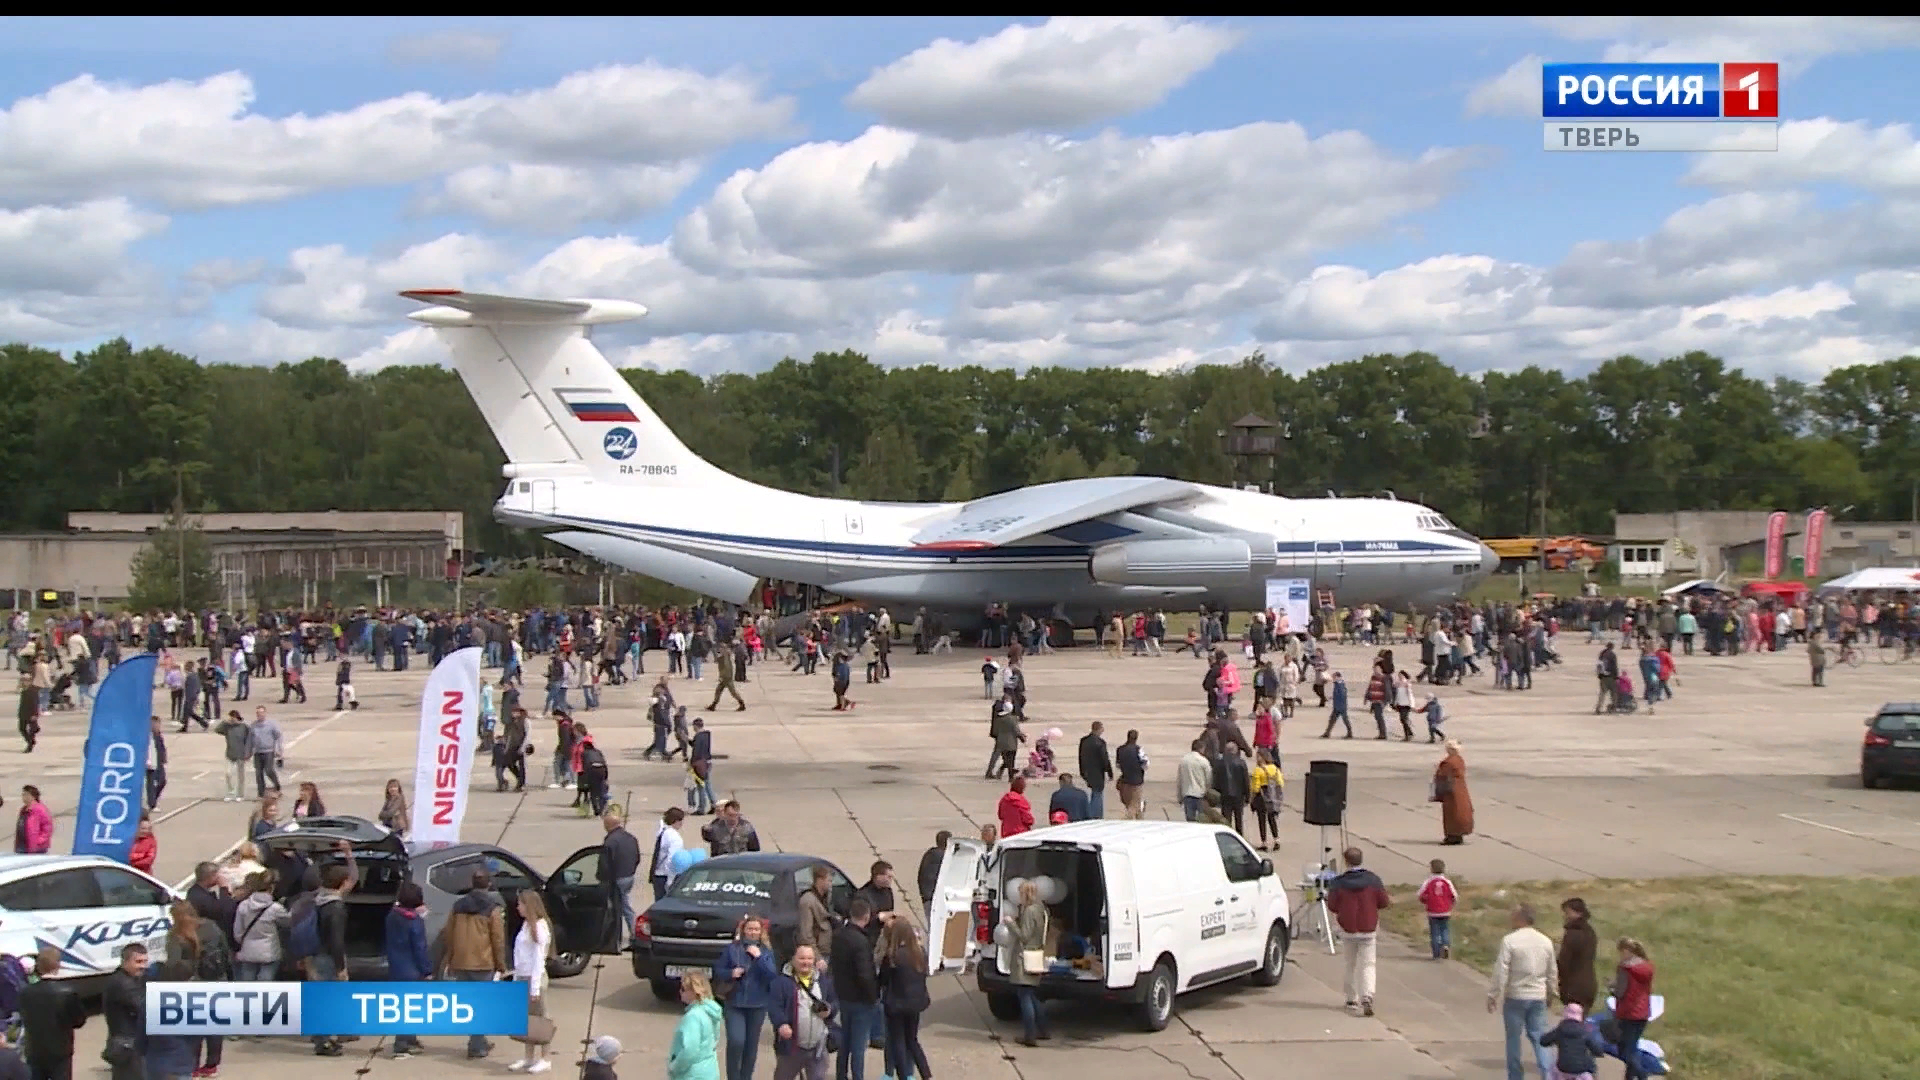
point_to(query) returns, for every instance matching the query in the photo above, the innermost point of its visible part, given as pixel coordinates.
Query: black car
(1891, 749)
(585, 913)
(690, 926)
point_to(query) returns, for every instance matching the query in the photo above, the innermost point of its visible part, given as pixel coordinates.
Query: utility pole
(180, 521)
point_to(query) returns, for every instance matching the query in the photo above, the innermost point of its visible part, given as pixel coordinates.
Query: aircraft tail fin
(554, 402)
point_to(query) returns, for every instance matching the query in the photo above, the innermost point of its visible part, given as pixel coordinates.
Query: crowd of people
(857, 978)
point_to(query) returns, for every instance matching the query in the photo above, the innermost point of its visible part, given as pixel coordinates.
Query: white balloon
(1052, 890)
(1014, 886)
(1003, 936)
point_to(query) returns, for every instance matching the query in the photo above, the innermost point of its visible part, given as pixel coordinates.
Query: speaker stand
(1314, 889)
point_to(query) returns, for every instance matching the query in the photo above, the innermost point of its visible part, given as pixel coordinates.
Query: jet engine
(1196, 561)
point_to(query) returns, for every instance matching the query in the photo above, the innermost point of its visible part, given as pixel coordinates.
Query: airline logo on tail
(597, 407)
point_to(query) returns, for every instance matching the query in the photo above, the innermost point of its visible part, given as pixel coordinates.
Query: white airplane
(587, 457)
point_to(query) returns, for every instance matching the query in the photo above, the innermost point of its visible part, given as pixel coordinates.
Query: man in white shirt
(1524, 972)
(666, 844)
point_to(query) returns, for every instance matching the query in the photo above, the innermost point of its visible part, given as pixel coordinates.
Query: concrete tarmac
(1748, 770)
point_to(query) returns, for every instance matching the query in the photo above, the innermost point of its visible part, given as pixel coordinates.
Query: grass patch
(1771, 978)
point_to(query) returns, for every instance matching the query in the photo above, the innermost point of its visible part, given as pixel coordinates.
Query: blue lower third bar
(336, 1008)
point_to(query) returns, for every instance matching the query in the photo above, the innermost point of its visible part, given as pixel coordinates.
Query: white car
(1137, 912)
(86, 906)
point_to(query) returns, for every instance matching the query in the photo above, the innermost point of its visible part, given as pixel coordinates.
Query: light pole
(180, 523)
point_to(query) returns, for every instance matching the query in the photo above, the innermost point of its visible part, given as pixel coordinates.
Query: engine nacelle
(1197, 561)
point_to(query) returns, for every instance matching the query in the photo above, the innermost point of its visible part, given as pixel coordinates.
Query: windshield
(724, 884)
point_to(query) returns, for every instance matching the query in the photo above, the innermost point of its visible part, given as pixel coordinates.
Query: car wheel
(1273, 959)
(665, 989)
(1869, 780)
(567, 964)
(1156, 1009)
(1004, 1007)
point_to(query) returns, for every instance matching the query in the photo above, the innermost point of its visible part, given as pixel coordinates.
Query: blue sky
(1492, 259)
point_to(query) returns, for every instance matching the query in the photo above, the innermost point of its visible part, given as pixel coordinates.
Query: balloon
(699, 855)
(1052, 890)
(1003, 936)
(1014, 885)
(681, 862)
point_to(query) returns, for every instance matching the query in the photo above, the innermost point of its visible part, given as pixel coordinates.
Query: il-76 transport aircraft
(592, 466)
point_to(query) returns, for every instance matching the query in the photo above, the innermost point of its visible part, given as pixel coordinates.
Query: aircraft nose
(1489, 560)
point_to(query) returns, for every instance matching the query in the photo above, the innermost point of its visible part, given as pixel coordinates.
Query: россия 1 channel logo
(1683, 107)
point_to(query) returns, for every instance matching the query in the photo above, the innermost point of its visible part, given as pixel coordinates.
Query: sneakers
(328, 1049)
(543, 1065)
(1366, 1007)
(206, 1071)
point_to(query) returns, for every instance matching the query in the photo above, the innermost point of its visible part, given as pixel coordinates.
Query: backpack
(13, 979)
(593, 762)
(303, 937)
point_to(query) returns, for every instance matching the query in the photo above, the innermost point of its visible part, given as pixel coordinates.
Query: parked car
(1138, 912)
(1891, 749)
(584, 910)
(688, 928)
(87, 907)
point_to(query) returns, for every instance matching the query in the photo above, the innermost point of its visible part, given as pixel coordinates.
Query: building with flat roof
(90, 565)
(1707, 543)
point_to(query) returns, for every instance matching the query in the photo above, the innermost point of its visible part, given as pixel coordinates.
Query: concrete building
(1639, 558)
(90, 565)
(1707, 543)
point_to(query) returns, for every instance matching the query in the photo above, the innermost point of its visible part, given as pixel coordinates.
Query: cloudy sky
(1136, 191)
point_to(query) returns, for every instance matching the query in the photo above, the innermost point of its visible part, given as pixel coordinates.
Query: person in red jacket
(1438, 896)
(1632, 1001)
(1356, 898)
(1015, 812)
(145, 847)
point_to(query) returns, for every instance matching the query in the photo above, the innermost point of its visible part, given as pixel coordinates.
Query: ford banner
(113, 780)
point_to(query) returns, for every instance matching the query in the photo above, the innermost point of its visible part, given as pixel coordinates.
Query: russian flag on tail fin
(596, 405)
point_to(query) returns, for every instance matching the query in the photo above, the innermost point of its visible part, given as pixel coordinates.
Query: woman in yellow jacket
(1268, 785)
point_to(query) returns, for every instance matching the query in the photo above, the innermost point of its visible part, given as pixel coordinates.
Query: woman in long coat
(1578, 985)
(1450, 791)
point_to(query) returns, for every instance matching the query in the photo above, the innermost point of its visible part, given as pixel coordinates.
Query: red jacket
(1016, 814)
(144, 850)
(1438, 896)
(1356, 899)
(1635, 1001)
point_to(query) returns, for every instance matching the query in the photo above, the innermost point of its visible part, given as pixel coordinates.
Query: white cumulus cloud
(329, 287)
(1513, 92)
(559, 197)
(1121, 212)
(199, 143)
(1065, 74)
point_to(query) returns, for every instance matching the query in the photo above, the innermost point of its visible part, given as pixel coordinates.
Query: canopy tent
(1697, 585)
(1876, 579)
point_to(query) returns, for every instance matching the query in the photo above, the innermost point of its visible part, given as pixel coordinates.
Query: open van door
(950, 928)
(584, 910)
(1123, 919)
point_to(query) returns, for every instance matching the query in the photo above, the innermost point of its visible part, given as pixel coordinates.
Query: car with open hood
(584, 909)
(688, 928)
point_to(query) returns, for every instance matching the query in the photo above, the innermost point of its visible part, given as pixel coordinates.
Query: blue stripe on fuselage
(1350, 549)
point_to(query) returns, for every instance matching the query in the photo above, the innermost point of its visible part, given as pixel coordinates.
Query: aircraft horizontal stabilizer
(456, 307)
(1027, 512)
(723, 583)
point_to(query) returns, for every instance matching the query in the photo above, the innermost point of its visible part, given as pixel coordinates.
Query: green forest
(117, 428)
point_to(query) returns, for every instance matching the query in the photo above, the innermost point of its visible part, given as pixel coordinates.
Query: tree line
(119, 428)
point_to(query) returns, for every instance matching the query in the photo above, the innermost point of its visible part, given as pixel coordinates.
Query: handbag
(1034, 961)
(540, 1029)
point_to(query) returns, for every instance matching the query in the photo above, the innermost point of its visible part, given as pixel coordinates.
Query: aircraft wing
(1031, 511)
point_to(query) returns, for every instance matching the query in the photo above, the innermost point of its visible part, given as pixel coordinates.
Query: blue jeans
(860, 1022)
(1097, 803)
(743, 1041)
(248, 971)
(1033, 1014)
(623, 888)
(1526, 1021)
(477, 1045)
(1192, 805)
(1630, 1032)
(1439, 933)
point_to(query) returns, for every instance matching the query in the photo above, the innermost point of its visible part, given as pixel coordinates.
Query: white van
(1138, 911)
